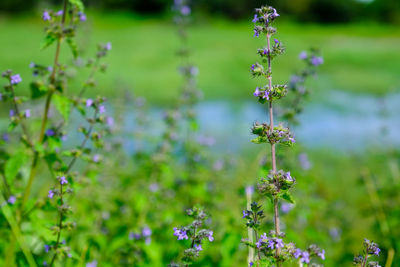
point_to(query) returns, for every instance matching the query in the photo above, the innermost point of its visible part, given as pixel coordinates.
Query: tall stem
(273, 152)
(45, 117)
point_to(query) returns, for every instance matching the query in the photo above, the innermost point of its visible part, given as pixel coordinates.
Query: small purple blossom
(321, 254)
(6, 137)
(46, 248)
(133, 235)
(102, 109)
(46, 16)
(15, 79)
(305, 257)
(27, 113)
(251, 264)
(89, 102)
(108, 46)
(255, 19)
(198, 247)
(153, 187)
(12, 113)
(181, 234)
(146, 231)
(185, 10)
(50, 194)
(110, 121)
(63, 180)
(286, 207)
(50, 132)
(276, 41)
(12, 200)
(210, 236)
(316, 61)
(82, 16)
(245, 213)
(32, 65)
(59, 13)
(92, 264)
(50, 68)
(256, 33)
(304, 161)
(96, 158)
(249, 190)
(303, 55)
(257, 92)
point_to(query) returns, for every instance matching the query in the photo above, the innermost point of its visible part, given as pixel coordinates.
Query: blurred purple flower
(198, 247)
(255, 19)
(210, 236)
(63, 180)
(102, 109)
(153, 187)
(249, 190)
(181, 234)
(92, 264)
(27, 113)
(321, 254)
(110, 121)
(12, 200)
(286, 207)
(185, 10)
(50, 132)
(51, 194)
(108, 46)
(59, 13)
(146, 231)
(303, 55)
(46, 16)
(82, 16)
(12, 113)
(15, 79)
(89, 102)
(316, 61)
(304, 161)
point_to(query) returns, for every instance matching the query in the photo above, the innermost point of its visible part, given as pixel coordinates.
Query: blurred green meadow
(361, 58)
(340, 200)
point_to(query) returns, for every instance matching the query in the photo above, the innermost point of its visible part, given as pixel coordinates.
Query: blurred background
(348, 131)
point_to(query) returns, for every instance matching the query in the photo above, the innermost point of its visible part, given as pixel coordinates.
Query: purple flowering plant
(271, 249)
(370, 249)
(42, 140)
(195, 233)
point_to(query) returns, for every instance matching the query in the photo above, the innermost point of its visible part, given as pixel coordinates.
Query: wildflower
(46, 248)
(297, 253)
(303, 55)
(110, 121)
(32, 65)
(51, 194)
(133, 235)
(92, 264)
(255, 19)
(276, 41)
(245, 213)
(46, 16)
(257, 92)
(251, 264)
(96, 158)
(15, 79)
(50, 132)
(316, 61)
(274, 13)
(279, 243)
(12, 113)
(185, 10)
(102, 109)
(181, 234)
(249, 190)
(305, 257)
(12, 200)
(153, 187)
(50, 68)
(321, 254)
(198, 247)
(286, 207)
(89, 102)
(82, 16)
(146, 231)
(210, 236)
(107, 46)
(59, 13)
(27, 113)
(63, 180)
(256, 32)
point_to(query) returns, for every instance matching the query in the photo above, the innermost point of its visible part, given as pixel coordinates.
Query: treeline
(323, 11)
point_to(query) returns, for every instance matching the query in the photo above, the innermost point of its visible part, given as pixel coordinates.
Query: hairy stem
(273, 152)
(59, 226)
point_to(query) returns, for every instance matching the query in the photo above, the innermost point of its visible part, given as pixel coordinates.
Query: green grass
(358, 58)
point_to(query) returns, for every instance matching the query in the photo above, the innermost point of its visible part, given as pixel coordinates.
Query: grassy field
(358, 58)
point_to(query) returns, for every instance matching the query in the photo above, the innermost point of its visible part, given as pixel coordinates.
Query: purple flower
(27, 113)
(96, 158)
(251, 264)
(6, 137)
(12, 200)
(198, 247)
(253, 67)
(303, 55)
(276, 41)
(181, 234)
(146, 231)
(15, 79)
(92, 264)
(210, 236)
(44, 263)
(257, 92)
(46, 248)
(63, 180)
(274, 13)
(59, 13)
(185, 10)
(50, 68)
(133, 235)
(153, 187)
(271, 244)
(147, 241)
(51, 194)
(245, 213)
(12, 113)
(305, 257)
(82, 16)
(265, 51)
(316, 61)
(266, 94)
(321, 254)
(32, 65)
(89, 102)
(255, 18)
(46, 16)
(297, 253)
(279, 243)
(102, 109)
(107, 46)
(50, 132)
(286, 207)
(256, 32)
(110, 121)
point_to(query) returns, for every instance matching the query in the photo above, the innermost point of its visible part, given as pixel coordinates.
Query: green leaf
(259, 140)
(37, 90)
(62, 105)
(78, 4)
(288, 197)
(48, 40)
(14, 164)
(74, 48)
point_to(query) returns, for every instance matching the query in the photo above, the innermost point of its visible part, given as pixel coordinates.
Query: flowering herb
(371, 249)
